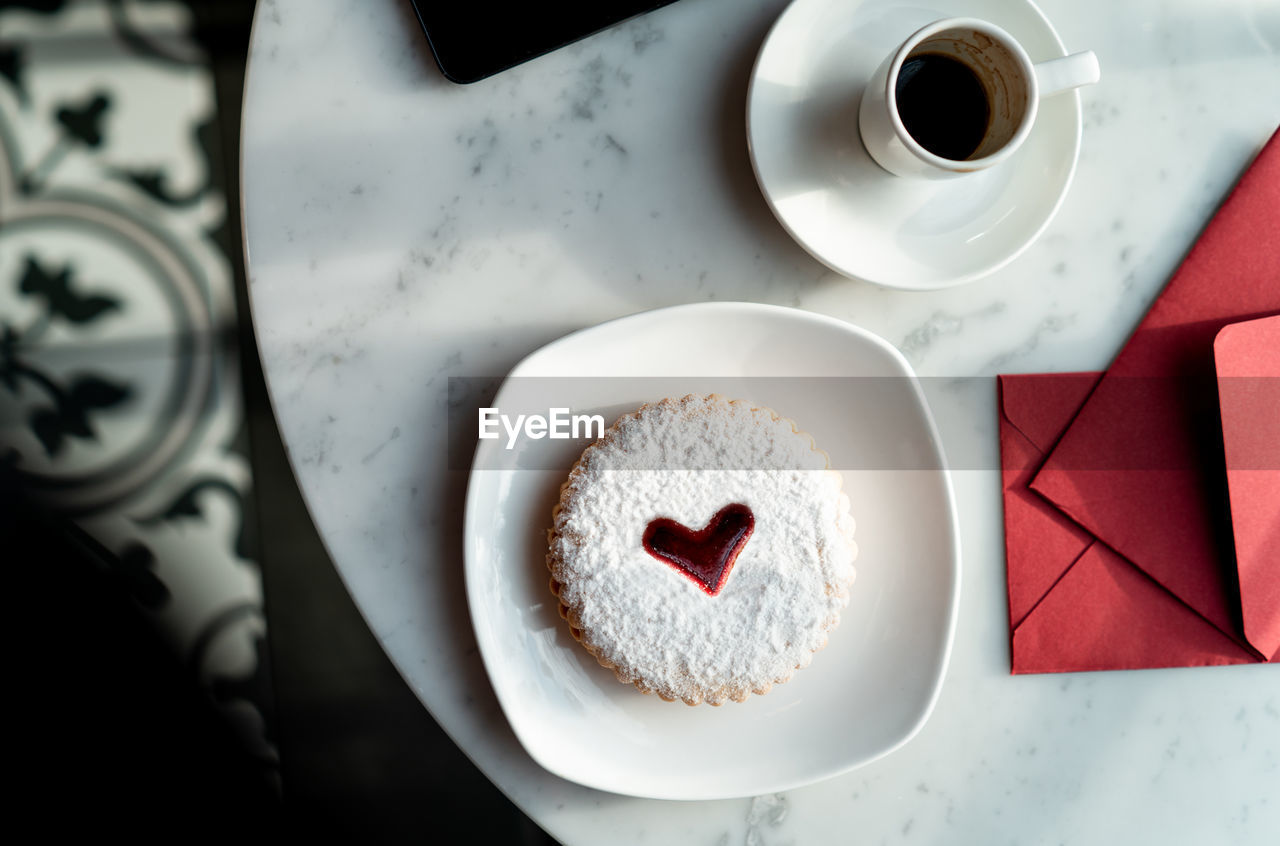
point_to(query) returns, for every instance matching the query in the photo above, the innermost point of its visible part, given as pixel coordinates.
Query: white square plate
(867, 693)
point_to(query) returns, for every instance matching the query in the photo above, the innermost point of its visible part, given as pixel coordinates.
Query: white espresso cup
(953, 133)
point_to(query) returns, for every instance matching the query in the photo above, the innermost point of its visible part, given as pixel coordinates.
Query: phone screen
(473, 39)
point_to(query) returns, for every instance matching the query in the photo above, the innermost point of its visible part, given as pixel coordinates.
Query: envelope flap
(1040, 405)
(1041, 544)
(1247, 357)
(1105, 615)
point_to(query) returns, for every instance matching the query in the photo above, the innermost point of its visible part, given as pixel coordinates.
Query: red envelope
(1074, 603)
(1127, 561)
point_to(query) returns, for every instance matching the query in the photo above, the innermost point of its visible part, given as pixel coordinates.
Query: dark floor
(118, 739)
(359, 753)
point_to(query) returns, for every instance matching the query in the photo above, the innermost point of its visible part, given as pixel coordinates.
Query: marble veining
(402, 229)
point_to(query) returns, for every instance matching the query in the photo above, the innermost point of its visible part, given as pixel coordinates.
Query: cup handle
(1068, 72)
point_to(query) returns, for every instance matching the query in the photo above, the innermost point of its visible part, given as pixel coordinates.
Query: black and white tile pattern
(120, 401)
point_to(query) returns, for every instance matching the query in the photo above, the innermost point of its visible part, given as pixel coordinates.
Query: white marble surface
(402, 229)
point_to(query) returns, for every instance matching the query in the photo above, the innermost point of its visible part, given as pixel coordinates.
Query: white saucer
(873, 686)
(802, 132)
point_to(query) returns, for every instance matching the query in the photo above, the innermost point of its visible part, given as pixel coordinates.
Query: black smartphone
(473, 39)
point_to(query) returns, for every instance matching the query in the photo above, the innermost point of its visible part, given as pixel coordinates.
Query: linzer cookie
(702, 549)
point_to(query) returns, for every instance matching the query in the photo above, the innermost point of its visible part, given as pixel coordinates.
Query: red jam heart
(707, 555)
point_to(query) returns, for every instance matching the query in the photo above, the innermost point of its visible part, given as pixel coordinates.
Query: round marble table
(402, 229)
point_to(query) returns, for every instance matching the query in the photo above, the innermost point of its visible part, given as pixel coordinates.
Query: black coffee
(943, 105)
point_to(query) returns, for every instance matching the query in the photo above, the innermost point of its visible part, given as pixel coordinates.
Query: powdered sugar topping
(685, 460)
